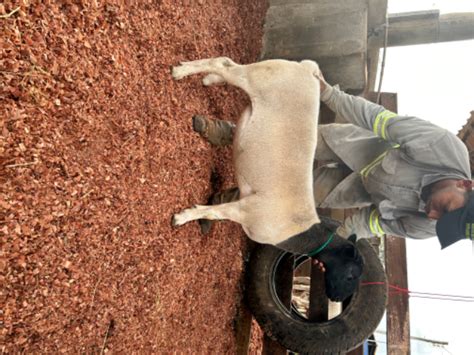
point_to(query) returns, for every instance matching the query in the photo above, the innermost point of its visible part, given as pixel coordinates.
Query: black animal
(342, 262)
(344, 267)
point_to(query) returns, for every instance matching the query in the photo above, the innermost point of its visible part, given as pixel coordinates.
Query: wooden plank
(327, 116)
(357, 351)
(284, 284)
(318, 302)
(398, 320)
(243, 328)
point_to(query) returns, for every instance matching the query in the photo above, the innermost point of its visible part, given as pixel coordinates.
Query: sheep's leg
(219, 70)
(213, 79)
(220, 197)
(211, 65)
(233, 211)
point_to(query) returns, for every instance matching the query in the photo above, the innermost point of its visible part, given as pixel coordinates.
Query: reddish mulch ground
(97, 153)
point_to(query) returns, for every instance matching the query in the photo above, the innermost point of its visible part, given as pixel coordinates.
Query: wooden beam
(425, 27)
(243, 326)
(318, 301)
(357, 351)
(398, 317)
(243, 329)
(284, 284)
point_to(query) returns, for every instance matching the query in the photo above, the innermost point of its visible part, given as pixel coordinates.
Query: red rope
(400, 289)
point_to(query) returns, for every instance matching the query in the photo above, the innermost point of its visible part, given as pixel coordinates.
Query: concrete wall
(332, 32)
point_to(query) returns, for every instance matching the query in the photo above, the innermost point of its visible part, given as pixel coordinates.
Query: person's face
(445, 200)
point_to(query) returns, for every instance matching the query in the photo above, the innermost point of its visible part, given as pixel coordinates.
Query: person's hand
(346, 230)
(319, 264)
(322, 82)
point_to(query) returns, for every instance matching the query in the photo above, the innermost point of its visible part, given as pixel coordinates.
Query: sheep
(274, 147)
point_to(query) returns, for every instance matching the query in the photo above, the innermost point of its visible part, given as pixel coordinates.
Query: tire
(348, 330)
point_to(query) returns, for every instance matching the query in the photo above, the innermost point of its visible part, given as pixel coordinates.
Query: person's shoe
(225, 196)
(217, 132)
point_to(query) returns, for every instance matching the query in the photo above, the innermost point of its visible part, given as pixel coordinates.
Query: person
(406, 176)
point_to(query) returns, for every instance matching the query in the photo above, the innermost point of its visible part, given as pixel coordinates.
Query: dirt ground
(97, 153)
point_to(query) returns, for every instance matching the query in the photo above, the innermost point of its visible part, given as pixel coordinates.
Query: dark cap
(457, 225)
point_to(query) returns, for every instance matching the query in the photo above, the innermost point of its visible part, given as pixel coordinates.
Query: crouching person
(407, 176)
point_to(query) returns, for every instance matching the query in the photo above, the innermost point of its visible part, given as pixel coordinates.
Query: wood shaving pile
(97, 153)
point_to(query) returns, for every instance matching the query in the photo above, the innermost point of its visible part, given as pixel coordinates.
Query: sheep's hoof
(175, 221)
(177, 72)
(205, 225)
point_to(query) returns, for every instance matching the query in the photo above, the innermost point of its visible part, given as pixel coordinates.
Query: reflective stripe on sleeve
(381, 122)
(366, 170)
(374, 223)
(470, 231)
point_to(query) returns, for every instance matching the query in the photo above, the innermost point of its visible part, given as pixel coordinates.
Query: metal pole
(425, 27)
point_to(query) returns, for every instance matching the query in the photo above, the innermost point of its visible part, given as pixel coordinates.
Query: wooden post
(357, 351)
(318, 301)
(243, 329)
(398, 319)
(284, 284)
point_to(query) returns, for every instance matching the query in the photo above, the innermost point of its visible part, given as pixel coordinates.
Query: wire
(443, 299)
(427, 295)
(382, 69)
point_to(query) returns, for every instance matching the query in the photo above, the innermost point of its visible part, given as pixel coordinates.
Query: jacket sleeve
(367, 223)
(420, 140)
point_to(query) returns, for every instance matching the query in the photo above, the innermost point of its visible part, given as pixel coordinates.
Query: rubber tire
(341, 334)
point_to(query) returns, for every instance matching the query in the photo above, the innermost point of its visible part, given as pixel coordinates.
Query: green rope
(318, 250)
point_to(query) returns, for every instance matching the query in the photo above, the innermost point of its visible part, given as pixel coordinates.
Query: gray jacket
(393, 158)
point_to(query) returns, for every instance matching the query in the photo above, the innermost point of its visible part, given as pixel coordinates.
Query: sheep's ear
(353, 238)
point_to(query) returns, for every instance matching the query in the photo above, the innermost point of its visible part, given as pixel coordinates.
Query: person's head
(452, 204)
(446, 196)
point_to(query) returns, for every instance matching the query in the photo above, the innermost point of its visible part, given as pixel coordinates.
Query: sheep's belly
(275, 163)
(272, 155)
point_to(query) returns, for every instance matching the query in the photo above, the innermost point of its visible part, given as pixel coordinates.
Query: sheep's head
(344, 267)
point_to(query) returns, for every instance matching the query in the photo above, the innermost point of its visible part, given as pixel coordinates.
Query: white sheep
(274, 148)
